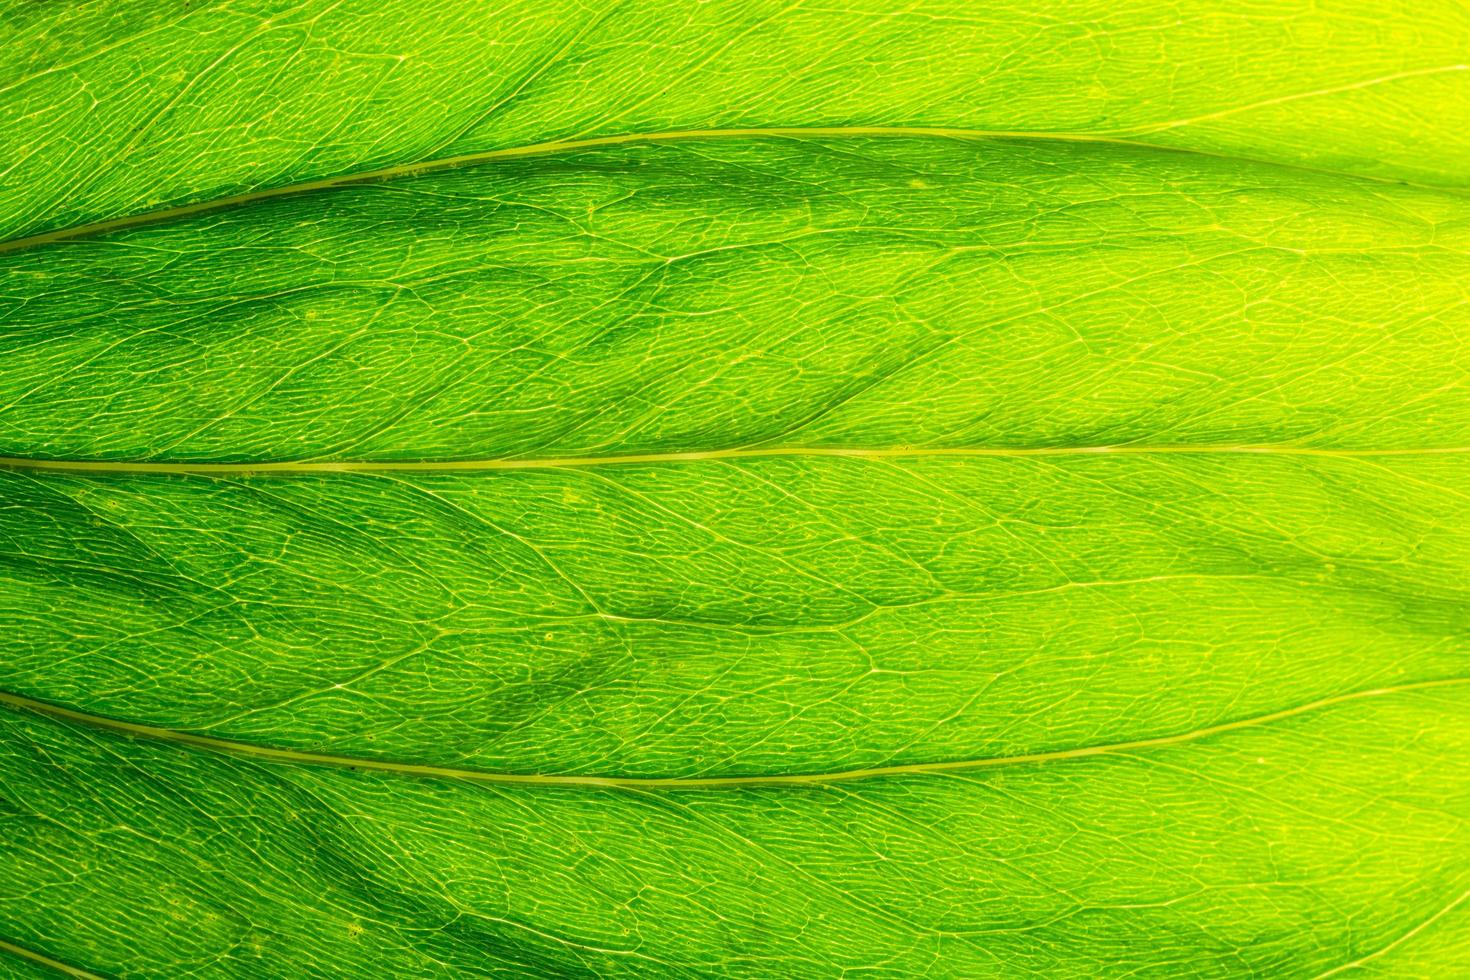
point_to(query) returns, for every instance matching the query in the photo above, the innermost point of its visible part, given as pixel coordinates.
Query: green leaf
(689, 490)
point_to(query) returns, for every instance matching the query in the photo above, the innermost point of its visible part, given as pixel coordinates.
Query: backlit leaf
(735, 490)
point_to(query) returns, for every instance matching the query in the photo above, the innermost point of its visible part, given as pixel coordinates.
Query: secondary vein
(223, 469)
(261, 753)
(1126, 138)
(41, 958)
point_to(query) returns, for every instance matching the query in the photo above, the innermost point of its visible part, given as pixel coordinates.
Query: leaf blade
(782, 527)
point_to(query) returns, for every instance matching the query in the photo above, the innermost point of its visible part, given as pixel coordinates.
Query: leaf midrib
(415, 168)
(263, 753)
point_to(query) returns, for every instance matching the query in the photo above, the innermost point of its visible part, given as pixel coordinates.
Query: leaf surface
(683, 493)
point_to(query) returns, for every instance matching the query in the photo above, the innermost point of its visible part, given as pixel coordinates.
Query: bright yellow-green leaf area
(735, 489)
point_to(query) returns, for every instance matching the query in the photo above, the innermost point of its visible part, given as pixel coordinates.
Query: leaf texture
(735, 491)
